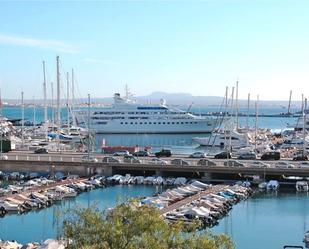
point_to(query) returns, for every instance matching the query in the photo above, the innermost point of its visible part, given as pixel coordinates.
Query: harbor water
(267, 220)
(46, 223)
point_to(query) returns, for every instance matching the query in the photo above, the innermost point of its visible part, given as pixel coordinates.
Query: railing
(203, 162)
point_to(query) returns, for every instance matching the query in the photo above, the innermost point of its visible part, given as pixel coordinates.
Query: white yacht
(223, 139)
(127, 116)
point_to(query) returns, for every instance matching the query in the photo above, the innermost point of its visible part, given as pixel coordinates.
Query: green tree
(129, 226)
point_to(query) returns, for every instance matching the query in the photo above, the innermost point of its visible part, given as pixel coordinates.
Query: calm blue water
(263, 221)
(42, 224)
(267, 221)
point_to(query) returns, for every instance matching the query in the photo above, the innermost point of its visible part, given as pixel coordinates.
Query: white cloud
(57, 46)
(97, 61)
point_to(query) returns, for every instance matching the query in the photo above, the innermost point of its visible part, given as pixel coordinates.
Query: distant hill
(180, 99)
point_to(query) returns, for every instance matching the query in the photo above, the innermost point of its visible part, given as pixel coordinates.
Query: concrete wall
(77, 168)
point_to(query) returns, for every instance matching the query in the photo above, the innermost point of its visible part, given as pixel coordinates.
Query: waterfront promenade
(72, 163)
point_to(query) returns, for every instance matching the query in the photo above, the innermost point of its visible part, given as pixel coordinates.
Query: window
(154, 123)
(159, 123)
(140, 122)
(131, 123)
(177, 122)
(163, 123)
(173, 123)
(126, 122)
(168, 122)
(150, 123)
(121, 122)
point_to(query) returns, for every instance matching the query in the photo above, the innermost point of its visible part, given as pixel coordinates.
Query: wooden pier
(43, 188)
(183, 202)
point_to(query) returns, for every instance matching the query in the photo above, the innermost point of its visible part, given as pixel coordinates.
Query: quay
(183, 202)
(73, 164)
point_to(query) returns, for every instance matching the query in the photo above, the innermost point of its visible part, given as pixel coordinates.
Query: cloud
(57, 46)
(97, 61)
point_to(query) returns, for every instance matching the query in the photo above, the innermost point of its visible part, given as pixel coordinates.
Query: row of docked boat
(146, 180)
(204, 207)
(47, 244)
(40, 193)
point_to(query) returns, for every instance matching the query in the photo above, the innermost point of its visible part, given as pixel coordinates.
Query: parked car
(121, 153)
(91, 159)
(4, 157)
(163, 153)
(223, 155)
(178, 161)
(158, 161)
(300, 158)
(271, 155)
(247, 156)
(141, 153)
(259, 164)
(285, 165)
(110, 159)
(131, 159)
(206, 162)
(198, 155)
(41, 151)
(234, 163)
(304, 165)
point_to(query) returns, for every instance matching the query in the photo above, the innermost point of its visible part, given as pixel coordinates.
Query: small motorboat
(272, 185)
(302, 186)
(262, 185)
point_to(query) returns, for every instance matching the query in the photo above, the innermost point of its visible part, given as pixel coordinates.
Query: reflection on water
(269, 220)
(46, 223)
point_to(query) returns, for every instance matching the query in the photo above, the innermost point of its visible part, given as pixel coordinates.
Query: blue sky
(174, 46)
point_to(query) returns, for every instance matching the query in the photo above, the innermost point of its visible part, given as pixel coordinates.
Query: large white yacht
(127, 116)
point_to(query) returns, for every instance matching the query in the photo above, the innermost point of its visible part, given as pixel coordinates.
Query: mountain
(180, 99)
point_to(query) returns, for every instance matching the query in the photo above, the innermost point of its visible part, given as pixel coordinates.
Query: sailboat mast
(304, 127)
(58, 105)
(45, 100)
(237, 121)
(73, 98)
(88, 144)
(289, 106)
(225, 114)
(52, 103)
(248, 109)
(230, 129)
(68, 107)
(256, 120)
(22, 118)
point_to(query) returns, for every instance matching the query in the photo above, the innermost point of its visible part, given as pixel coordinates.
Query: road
(78, 157)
